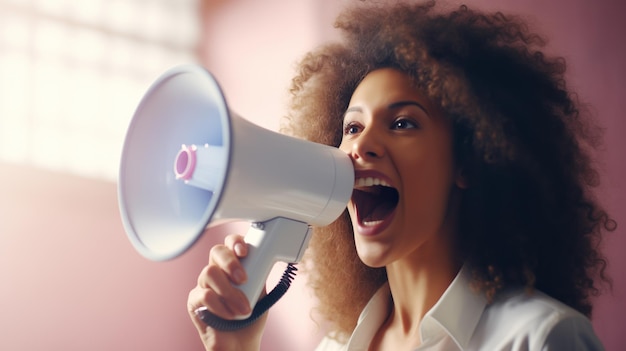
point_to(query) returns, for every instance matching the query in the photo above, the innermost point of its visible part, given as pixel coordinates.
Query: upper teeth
(370, 181)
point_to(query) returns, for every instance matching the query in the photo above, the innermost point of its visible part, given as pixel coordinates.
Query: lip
(372, 230)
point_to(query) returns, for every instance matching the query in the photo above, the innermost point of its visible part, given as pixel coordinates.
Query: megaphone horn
(189, 163)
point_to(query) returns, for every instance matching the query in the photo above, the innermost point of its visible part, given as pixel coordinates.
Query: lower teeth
(371, 223)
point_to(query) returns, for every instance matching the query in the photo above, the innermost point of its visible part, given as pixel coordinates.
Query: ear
(461, 178)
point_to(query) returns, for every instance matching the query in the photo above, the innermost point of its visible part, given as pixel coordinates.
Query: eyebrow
(392, 106)
(408, 103)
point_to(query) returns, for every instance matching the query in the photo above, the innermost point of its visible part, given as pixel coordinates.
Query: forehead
(385, 86)
(391, 75)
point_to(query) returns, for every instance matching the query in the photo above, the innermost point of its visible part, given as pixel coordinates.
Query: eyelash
(408, 124)
(404, 120)
(348, 126)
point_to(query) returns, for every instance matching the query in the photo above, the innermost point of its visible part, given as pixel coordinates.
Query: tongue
(375, 205)
(379, 212)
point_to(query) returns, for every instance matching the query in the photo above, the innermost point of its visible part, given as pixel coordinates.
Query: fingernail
(243, 308)
(240, 276)
(240, 249)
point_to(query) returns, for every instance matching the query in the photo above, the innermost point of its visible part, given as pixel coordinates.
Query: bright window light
(72, 73)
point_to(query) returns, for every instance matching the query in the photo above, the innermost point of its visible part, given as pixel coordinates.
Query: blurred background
(72, 73)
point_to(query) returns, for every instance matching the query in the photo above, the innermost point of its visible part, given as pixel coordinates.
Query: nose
(366, 146)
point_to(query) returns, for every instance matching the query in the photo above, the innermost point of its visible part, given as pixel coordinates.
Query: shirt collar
(370, 320)
(456, 313)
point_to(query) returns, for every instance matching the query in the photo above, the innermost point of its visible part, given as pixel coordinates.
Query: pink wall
(70, 280)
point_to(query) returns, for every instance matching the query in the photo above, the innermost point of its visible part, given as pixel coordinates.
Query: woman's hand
(215, 292)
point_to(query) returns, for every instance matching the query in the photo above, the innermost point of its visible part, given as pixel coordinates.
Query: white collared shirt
(462, 320)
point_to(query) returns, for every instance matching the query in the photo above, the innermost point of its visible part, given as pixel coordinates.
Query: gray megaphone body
(188, 163)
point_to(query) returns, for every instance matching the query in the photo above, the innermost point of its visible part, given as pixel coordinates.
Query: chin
(372, 257)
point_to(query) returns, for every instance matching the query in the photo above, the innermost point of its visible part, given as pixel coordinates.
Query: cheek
(429, 184)
(344, 146)
(426, 212)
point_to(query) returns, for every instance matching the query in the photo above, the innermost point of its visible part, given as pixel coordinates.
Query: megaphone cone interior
(188, 162)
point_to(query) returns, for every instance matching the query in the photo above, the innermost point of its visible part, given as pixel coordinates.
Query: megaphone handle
(261, 307)
(279, 239)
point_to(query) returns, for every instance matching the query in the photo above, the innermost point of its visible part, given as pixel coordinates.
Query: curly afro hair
(528, 217)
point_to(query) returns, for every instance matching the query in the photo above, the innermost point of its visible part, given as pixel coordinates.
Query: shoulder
(330, 344)
(519, 320)
(531, 306)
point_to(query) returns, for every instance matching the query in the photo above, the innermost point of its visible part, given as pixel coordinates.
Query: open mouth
(374, 200)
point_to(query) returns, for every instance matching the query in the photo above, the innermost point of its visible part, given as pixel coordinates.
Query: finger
(195, 302)
(222, 298)
(207, 300)
(214, 278)
(236, 243)
(220, 282)
(203, 278)
(226, 259)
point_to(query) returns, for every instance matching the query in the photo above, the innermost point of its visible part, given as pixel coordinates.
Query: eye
(351, 128)
(404, 123)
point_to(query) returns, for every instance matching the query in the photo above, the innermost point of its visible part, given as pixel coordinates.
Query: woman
(472, 225)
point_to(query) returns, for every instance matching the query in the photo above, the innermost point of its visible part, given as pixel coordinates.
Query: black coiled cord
(261, 307)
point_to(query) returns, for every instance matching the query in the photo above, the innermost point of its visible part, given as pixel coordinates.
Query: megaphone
(189, 163)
